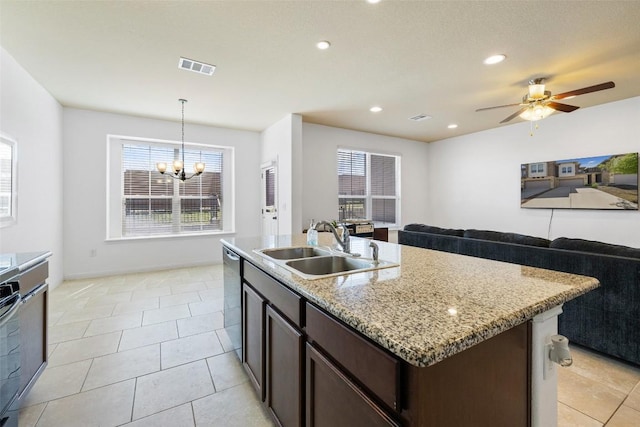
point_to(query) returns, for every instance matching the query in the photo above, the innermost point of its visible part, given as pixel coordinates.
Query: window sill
(169, 236)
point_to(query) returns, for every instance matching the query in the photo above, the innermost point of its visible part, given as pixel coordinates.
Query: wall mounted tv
(600, 182)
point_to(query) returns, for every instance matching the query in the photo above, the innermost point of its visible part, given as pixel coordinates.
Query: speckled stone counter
(434, 305)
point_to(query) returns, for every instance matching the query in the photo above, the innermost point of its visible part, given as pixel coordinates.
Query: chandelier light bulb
(161, 166)
(177, 165)
(198, 168)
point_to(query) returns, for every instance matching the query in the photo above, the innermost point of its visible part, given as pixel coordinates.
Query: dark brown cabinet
(33, 324)
(310, 368)
(333, 400)
(284, 369)
(253, 337)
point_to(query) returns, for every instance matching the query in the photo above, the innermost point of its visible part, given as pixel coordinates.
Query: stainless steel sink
(314, 263)
(294, 253)
(328, 265)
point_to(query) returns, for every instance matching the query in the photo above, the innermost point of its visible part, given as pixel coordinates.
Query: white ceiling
(409, 57)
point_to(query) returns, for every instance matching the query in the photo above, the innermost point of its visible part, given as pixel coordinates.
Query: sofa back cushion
(595, 247)
(497, 236)
(422, 228)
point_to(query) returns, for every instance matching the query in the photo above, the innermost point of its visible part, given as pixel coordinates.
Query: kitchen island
(440, 339)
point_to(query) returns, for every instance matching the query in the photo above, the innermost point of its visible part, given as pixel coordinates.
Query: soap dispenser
(312, 234)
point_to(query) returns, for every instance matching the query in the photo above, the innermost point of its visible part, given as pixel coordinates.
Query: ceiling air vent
(196, 67)
(419, 117)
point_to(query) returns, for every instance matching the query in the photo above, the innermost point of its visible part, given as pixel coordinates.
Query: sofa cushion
(422, 228)
(497, 236)
(595, 247)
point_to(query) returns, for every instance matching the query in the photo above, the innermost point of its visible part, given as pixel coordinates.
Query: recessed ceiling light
(322, 45)
(375, 109)
(494, 59)
(452, 126)
(373, 1)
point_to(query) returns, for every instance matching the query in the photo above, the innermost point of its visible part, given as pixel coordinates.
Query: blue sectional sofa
(606, 319)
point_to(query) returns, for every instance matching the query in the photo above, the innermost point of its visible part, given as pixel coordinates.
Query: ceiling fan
(538, 103)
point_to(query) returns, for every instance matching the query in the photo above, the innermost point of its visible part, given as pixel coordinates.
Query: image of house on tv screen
(601, 182)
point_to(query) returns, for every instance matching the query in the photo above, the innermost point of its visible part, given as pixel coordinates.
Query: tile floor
(150, 350)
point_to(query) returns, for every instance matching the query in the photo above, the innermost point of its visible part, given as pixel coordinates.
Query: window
(145, 203)
(537, 168)
(368, 186)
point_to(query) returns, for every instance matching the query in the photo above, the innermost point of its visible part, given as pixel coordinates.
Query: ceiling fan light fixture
(494, 59)
(536, 91)
(536, 112)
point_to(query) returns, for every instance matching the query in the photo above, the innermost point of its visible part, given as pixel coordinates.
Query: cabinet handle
(34, 292)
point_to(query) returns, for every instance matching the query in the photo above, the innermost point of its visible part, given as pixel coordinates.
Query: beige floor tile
(139, 305)
(625, 417)
(114, 323)
(85, 348)
(68, 331)
(159, 315)
(109, 298)
(121, 366)
(206, 307)
(569, 417)
(140, 337)
(50, 349)
(172, 387)
(90, 313)
(225, 340)
(588, 396)
(633, 400)
(211, 294)
(189, 349)
(151, 293)
(199, 324)
(57, 382)
(618, 375)
(179, 299)
(180, 416)
(226, 371)
(234, 407)
(188, 287)
(103, 407)
(54, 316)
(30, 415)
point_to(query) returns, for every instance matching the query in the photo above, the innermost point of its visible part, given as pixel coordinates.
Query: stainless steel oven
(10, 302)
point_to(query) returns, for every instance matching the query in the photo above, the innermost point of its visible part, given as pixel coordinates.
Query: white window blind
(154, 204)
(368, 186)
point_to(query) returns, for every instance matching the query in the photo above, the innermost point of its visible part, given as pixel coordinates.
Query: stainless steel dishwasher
(233, 298)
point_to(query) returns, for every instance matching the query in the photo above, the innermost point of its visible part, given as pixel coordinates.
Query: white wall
(320, 175)
(282, 143)
(85, 151)
(474, 180)
(31, 116)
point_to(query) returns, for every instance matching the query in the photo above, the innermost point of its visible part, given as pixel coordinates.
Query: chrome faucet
(374, 246)
(344, 242)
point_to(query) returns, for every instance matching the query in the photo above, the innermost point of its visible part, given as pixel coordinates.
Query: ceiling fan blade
(595, 88)
(565, 108)
(514, 115)
(498, 106)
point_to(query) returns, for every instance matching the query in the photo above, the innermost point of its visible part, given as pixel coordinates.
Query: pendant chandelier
(178, 165)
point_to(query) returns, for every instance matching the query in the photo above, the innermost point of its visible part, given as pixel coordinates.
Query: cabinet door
(332, 400)
(284, 370)
(253, 337)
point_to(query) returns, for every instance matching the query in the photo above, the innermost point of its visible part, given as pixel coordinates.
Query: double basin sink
(312, 262)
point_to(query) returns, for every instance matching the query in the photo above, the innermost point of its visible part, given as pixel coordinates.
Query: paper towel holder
(559, 351)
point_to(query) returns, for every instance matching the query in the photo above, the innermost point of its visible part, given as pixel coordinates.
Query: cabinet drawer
(374, 368)
(332, 400)
(287, 302)
(33, 277)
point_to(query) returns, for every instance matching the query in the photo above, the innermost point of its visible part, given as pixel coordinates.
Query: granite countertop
(14, 263)
(434, 305)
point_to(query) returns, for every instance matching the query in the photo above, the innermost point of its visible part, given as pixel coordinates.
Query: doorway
(269, 200)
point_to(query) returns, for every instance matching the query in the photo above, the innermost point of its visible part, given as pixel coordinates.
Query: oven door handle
(33, 293)
(9, 313)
